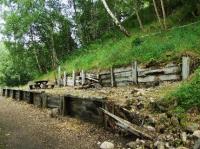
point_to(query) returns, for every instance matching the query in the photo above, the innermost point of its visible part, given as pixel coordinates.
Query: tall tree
(164, 14)
(116, 21)
(157, 13)
(137, 4)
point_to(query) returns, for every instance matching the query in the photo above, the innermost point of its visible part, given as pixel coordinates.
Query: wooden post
(185, 67)
(63, 106)
(134, 72)
(74, 78)
(65, 79)
(59, 76)
(83, 77)
(105, 116)
(112, 77)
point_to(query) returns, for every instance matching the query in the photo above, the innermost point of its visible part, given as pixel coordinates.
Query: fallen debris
(136, 130)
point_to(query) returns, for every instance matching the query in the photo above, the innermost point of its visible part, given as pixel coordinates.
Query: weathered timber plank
(185, 67)
(123, 83)
(135, 72)
(136, 130)
(107, 76)
(124, 79)
(123, 74)
(112, 79)
(122, 69)
(154, 78)
(169, 70)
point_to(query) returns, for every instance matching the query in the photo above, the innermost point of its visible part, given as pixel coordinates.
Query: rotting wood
(135, 73)
(112, 77)
(185, 67)
(123, 69)
(82, 77)
(136, 130)
(65, 79)
(153, 78)
(169, 70)
(73, 78)
(92, 79)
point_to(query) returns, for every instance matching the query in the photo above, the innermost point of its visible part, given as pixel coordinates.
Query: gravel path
(24, 126)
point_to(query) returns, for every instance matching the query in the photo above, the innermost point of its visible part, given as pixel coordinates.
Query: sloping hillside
(144, 47)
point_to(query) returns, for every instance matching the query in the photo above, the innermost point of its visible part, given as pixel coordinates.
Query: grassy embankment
(165, 46)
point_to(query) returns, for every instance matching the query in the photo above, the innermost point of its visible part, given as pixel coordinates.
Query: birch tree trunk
(139, 19)
(54, 55)
(157, 13)
(115, 19)
(35, 52)
(164, 14)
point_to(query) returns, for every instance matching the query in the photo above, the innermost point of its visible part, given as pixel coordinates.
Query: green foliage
(188, 94)
(165, 46)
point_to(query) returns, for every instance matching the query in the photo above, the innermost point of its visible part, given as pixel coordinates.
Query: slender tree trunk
(164, 14)
(139, 19)
(35, 53)
(115, 19)
(157, 13)
(54, 55)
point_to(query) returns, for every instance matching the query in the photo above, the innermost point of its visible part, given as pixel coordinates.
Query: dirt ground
(24, 126)
(120, 95)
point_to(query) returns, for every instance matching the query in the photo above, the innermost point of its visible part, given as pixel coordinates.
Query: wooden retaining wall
(87, 109)
(83, 108)
(133, 74)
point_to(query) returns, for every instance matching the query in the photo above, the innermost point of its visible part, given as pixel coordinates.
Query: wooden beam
(136, 130)
(112, 77)
(65, 79)
(134, 72)
(185, 67)
(82, 77)
(74, 78)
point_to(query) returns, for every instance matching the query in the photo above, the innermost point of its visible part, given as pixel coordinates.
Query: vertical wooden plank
(59, 76)
(105, 116)
(185, 67)
(74, 78)
(82, 77)
(65, 79)
(44, 101)
(112, 77)
(134, 72)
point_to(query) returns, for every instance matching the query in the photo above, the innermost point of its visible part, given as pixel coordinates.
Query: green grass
(166, 46)
(188, 94)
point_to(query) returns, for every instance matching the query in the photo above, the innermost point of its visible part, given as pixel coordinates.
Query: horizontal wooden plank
(169, 77)
(169, 70)
(123, 74)
(127, 79)
(122, 69)
(106, 81)
(105, 77)
(154, 78)
(89, 75)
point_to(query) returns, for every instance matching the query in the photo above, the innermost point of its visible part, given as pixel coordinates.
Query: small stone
(191, 127)
(174, 121)
(98, 143)
(181, 147)
(159, 145)
(140, 105)
(184, 137)
(150, 128)
(54, 112)
(163, 117)
(107, 145)
(132, 145)
(197, 134)
(197, 144)
(160, 128)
